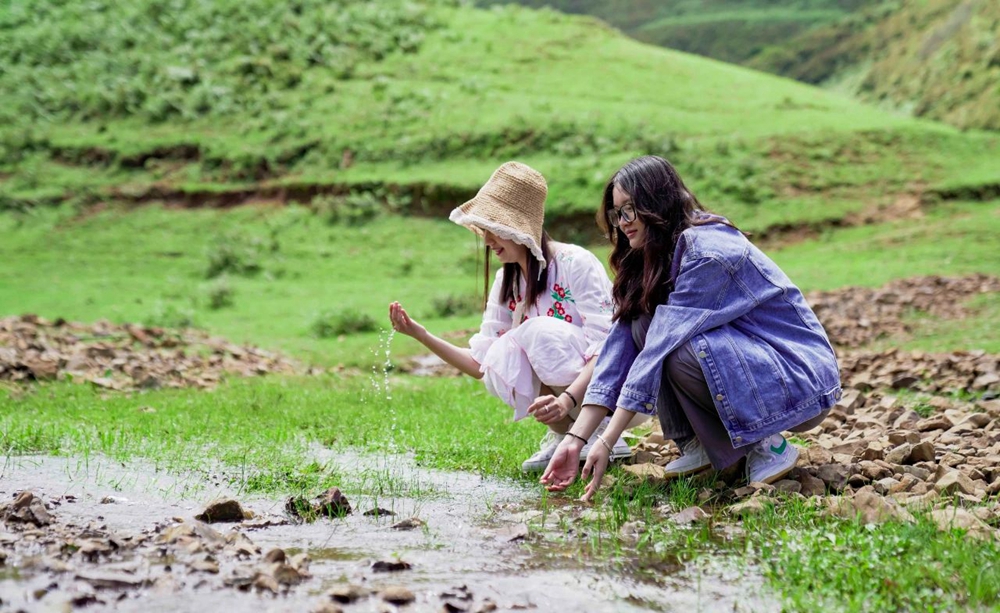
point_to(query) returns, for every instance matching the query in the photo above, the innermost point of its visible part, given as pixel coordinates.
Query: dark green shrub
(331, 324)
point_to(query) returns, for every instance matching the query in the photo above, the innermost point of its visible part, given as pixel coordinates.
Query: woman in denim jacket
(708, 333)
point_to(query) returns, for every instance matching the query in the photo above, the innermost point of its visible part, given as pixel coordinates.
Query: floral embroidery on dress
(561, 293)
(559, 312)
(607, 306)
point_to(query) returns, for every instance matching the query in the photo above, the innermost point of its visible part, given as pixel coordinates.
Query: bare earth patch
(124, 357)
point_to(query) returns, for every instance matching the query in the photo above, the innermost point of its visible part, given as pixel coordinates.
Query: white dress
(554, 338)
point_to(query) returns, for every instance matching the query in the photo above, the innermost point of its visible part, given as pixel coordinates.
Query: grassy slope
(563, 93)
(721, 29)
(937, 58)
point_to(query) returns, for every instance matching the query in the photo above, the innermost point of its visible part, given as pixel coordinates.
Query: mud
(134, 546)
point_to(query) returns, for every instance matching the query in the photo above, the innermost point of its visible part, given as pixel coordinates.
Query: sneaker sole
(778, 476)
(688, 473)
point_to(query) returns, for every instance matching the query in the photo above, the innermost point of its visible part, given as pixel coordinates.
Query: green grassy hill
(933, 58)
(411, 105)
(729, 30)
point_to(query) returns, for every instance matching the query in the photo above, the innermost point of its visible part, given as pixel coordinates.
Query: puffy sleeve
(592, 293)
(497, 320)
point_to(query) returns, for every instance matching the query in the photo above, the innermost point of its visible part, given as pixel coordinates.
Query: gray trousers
(686, 408)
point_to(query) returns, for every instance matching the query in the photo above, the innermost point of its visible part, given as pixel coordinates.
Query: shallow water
(466, 541)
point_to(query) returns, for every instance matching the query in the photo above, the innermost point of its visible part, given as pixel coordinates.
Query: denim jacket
(765, 356)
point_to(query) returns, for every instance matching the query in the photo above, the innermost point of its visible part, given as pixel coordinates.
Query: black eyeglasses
(625, 214)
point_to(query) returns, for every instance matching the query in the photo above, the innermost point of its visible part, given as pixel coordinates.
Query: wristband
(577, 436)
(573, 398)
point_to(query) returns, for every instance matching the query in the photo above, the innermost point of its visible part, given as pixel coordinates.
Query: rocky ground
(124, 357)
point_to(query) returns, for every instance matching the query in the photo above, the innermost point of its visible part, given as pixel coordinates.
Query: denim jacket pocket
(762, 375)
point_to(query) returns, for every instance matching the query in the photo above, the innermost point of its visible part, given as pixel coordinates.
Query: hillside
(411, 105)
(938, 59)
(729, 30)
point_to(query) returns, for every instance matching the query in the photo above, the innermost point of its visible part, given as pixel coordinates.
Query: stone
(752, 506)
(961, 519)
(952, 482)
(898, 455)
(648, 471)
(397, 595)
(347, 594)
(224, 510)
(333, 503)
(690, 515)
(274, 556)
(386, 566)
(327, 607)
(811, 486)
(788, 486)
(833, 475)
(408, 524)
(885, 486)
(922, 452)
(935, 422)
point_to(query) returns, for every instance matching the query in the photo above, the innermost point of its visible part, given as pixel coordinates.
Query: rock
(388, 566)
(274, 556)
(852, 399)
(986, 381)
(961, 519)
(347, 594)
(379, 512)
(327, 607)
(332, 503)
(788, 486)
(923, 452)
(905, 382)
(651, 472)
(953, 481)
(397, 595)
(286, 574)
(264, 582)
(885, 486)
(811, 486)
(26, 508)
(509, 534)
(743, 492)
(408, 524)
(752, 506)
(869, 507)
(225, 510)
(935, 422)
(833, 475)
(207, 565)
(690, 515)
(111, 580)
(898, 455)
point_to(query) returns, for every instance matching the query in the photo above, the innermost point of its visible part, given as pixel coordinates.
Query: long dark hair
(536, 283)
(666, 207)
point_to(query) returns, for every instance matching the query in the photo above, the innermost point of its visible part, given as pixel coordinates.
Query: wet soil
(124, 538)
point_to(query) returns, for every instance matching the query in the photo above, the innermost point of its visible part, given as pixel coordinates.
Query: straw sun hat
(511, 205)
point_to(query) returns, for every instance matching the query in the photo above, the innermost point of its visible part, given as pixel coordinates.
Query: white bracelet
(600, 437)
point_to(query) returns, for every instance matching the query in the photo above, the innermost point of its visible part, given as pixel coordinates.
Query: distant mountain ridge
(938, 59)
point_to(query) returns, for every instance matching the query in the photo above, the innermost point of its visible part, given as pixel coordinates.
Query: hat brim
(464, 216)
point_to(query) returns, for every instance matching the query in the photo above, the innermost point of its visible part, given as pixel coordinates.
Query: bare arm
(459, 357)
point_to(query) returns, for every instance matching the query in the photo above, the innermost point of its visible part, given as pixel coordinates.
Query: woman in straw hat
(709, 334)
(546, 317)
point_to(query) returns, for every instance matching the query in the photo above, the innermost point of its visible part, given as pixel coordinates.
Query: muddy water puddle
(124, 538)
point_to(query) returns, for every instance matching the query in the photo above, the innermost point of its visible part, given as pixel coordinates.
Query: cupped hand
(401, 321)
(597, 464)
(549, 409)
(562, 468)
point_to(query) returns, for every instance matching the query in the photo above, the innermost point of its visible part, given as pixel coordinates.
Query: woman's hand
(597, 463)
(550, 409)
(402, 323)
(561, 471)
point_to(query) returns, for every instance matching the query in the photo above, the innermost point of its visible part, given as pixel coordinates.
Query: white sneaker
(771, 459)
(694, 459)
(547, 448)
(619, 450)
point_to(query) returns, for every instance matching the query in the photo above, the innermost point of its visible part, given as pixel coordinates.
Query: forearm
(459, 357)
(578, 387)
(590, 417)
